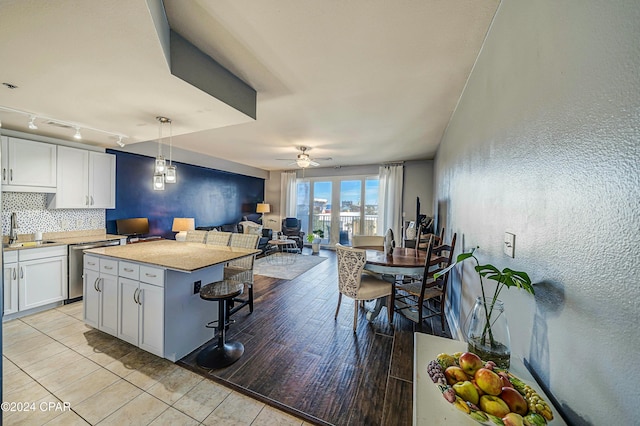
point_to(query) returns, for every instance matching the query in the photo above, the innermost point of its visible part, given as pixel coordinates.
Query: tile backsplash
(33, 215)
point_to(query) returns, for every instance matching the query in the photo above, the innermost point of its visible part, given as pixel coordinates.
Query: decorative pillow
(247, 225)
(410, 233)
(254, 230)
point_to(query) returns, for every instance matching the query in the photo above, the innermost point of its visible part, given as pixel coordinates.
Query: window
(335, 206)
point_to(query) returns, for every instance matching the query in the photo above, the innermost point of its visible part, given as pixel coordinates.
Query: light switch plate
(509, 244)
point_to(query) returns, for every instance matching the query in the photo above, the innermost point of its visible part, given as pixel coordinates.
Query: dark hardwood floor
(298, 359)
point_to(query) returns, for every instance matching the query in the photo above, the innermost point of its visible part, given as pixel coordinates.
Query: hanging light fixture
(171, 173)
(160, 163)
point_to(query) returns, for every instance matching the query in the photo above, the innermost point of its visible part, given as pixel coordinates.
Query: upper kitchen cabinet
(86, 180)
(28, 166)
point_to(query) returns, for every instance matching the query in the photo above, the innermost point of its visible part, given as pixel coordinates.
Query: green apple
(493, 405)
(514, 400)
(467, 391)
(488, 381)
(455, 374)
(470, 363)
(513, 419)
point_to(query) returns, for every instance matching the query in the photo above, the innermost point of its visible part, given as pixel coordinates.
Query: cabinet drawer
(151, 275)
(129, 270)
(10, 256)
(91, 262)
(108, 266)
(42, 252)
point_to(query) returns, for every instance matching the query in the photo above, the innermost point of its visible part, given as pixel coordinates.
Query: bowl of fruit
(488, 394)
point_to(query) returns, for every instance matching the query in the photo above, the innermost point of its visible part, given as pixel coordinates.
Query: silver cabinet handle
(86, 202)
(21, 272)
(92, 200)
(11, 175)
(101, 281)
(128, 270)
(108, 268)
(150, 275)
(139, 294)
(91, 263)
(135, 292)
(14, 273)
(95, 284)
(4, 173)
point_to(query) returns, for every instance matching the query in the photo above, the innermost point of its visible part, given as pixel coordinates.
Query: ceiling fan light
(303, 162)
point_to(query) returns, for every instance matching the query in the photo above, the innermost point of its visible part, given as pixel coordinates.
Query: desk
(429, 406)
(403, 261)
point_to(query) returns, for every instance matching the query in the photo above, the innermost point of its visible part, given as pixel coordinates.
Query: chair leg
(391, 305)
(355, 317)
(338, 308)
(442, 311)
(250, 297)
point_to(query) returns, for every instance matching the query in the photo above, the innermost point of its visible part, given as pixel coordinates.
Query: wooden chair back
(369, 241)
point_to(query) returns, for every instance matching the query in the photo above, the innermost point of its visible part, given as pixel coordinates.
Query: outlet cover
(196, 286)
(509, 244)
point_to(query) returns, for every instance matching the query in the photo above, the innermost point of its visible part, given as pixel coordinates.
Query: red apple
(493, 405)
(470, 363)
(480, 391)
(513, 419)
(488, 381)
(514, 400)
(455, 374)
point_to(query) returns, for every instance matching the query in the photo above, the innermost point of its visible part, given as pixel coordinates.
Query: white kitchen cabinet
(141, 310)
(85, 179)
(100, 294)
(28, 166)
(42, 276)
(10, 283)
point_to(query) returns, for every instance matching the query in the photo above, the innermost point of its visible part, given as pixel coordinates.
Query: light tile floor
(52, 358)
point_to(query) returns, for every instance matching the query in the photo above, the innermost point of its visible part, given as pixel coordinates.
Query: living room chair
(358, 286)
(415, 294)
(218, 238)
(291, 227)
(241, 270)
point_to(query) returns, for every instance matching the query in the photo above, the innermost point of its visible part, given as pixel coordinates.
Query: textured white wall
(545, 144)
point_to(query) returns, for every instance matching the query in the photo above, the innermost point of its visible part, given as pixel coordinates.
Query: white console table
(429, 406)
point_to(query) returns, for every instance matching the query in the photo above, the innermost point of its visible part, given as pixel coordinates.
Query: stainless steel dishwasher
(76, 252)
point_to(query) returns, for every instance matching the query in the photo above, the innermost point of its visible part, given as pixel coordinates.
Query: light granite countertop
(25, 241)
(176, 255)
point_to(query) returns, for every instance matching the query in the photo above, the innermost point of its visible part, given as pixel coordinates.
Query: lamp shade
(183, 224)
(263, 208)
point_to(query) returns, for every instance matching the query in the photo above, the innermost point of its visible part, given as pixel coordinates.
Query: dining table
(401, 261)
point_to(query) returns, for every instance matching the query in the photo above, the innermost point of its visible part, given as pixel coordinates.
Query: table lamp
(181, 225)
(263, 208)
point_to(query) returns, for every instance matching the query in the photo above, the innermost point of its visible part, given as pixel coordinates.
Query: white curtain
(288, 199)
(390, 200)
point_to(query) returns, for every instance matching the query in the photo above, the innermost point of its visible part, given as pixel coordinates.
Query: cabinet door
(42, 281)
(128, 310)
(102, 180)
(31, 163)
(91, 297)
(151, 337)
(5, 159)
(10, 288)
(72, 179)
(108, 304)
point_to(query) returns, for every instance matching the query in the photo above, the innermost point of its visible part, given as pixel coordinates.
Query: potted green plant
(314, 239)
(488, 332)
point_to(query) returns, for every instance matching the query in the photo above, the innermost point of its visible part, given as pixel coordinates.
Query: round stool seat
(226, 289)
(223, 353)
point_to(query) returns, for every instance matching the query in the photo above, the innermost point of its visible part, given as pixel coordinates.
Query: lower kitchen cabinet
(101, 301)
(141, 315)
(34, 277)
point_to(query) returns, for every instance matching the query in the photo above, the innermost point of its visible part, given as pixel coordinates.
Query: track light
(59, 123)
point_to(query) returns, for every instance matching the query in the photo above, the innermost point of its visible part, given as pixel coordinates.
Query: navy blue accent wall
(210, 196)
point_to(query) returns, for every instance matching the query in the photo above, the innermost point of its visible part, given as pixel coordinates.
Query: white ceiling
(361, 81)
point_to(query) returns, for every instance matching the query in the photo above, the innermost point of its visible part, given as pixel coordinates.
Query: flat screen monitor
(135, 226)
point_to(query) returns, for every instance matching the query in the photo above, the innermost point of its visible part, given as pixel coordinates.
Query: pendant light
(160, 163)
(171, 174)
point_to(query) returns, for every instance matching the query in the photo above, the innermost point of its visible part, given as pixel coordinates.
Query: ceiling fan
(303, 159)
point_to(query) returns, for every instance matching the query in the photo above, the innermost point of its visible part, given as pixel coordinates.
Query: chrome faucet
(13, 235)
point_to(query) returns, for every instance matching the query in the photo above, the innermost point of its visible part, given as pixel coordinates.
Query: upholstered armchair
(291, 228)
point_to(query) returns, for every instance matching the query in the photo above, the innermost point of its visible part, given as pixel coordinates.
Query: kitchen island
(148, 293)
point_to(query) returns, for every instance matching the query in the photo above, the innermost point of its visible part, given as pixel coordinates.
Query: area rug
(301, 264)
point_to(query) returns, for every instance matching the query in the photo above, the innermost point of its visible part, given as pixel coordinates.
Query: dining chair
(358, 286)
(218, 238)
(241, 270)
(375, 242)
(196, 236)
(415, 294)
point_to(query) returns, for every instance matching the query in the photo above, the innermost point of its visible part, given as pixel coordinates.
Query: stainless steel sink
(28, 244)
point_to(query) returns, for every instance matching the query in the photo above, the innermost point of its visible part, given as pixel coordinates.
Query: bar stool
(222, 353)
